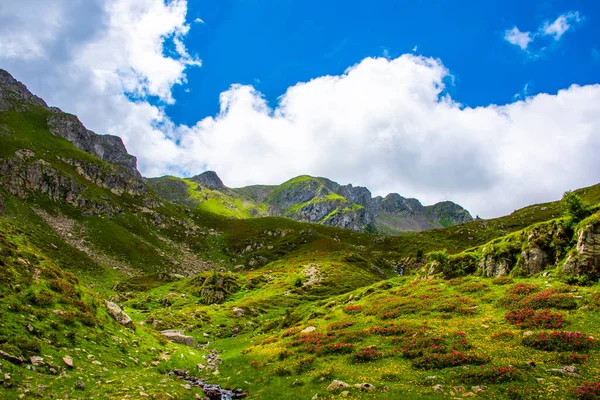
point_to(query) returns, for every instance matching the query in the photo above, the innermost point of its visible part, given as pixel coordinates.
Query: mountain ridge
(321, 200)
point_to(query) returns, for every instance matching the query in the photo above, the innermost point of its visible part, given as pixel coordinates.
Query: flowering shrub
(588, 391)
(435, 351)
(337, 348)
(366, 354)
(491, 375)
(392, 330)
(453, 359)
(571, 358)
(340, 325)
(545, 299)
(527, 318)
(351, 337)
(550, 299)
(523, 289)
(352, 309)
(559, 341)
(291, 332)
(473, 287)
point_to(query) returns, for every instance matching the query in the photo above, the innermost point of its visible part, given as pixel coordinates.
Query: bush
(574, 207)
(453, 359)
(523, 289)
(571, 358)
(340, 325)
(41, 297)
(352, 309)
(366, 354)
(282, 371)
(588, 391)
(472, 287)
(491, 375)
(502, 280)
(549, 299)
(304, 365)
(559, 341)
(527, 318)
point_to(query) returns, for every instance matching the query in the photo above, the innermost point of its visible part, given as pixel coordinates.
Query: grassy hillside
(76, 231)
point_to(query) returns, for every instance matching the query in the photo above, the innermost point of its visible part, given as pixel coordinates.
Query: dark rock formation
(584, 260)
(15, 96)
(210, 180)
(106, 147)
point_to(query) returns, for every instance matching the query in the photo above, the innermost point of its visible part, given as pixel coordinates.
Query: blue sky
(273, 44)
(492, 104)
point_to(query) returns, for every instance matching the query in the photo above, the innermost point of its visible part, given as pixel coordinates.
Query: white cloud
(199, 20)
(386, 123)
(561, 25)
(555, 29)
(100, 60)
(518, 38)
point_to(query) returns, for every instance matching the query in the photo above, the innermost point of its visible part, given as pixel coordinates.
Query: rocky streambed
(211, 391)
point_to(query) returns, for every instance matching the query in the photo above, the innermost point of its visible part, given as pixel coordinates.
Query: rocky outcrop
(337, 385)
(106, 147)
(178, 336)
(24, 174)
(117, 180)
(2, 204)
(210, 180)
(584, 260)
(15, 96)
(118, 314)
(530, 251)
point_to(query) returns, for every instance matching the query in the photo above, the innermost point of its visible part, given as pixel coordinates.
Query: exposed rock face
(210, 180)
(15, 96)
(532, 251)
(25, 173)
(534, 259)
(2, 204)
(118, 314)
(116, 180)
(492, 267)
(106, 147)
(178, 336)
(585, 259)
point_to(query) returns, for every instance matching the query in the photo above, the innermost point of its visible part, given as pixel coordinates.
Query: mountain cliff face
(315, 200)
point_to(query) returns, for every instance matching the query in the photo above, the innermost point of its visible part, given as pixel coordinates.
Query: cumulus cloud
(518, 38)
(553, 29)
(387, 124)
(103, 60)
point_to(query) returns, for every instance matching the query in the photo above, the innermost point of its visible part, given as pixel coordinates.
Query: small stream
(213, 392)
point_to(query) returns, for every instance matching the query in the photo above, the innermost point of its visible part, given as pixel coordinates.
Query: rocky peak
(15, 95)
(210, 180)
(394, 203)
(357, 194)
(106, 147)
